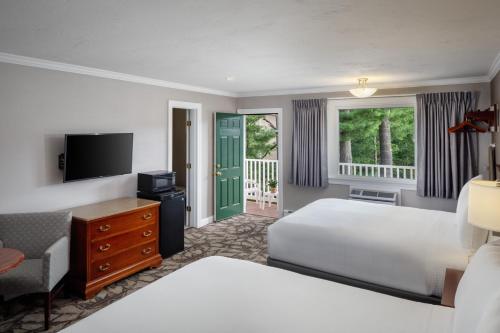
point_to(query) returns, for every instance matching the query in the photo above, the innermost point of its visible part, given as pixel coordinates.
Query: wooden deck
(254, 209)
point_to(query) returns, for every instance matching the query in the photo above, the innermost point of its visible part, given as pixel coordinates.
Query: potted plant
(273, 185)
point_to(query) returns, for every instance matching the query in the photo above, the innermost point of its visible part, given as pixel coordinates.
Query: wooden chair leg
(6, 309)
(48, 308)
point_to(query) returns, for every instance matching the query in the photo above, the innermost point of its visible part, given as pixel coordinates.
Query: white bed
(224, 295)
(402, 248)
(221, 295)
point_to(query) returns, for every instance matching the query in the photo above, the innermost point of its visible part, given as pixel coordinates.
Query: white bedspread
(224, 295)
(400, 247)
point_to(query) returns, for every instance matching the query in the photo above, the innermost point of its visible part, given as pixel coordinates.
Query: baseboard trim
(205, 221)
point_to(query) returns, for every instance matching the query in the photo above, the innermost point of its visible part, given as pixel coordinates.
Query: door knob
(218, 173)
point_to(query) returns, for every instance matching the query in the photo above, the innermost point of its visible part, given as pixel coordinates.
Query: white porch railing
(376, 170)
(260, 172)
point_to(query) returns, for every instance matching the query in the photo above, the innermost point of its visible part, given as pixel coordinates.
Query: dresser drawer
(113, 225)
(114, 263)
(106, 247)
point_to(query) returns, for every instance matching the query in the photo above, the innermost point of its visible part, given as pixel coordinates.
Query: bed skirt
(354, 282)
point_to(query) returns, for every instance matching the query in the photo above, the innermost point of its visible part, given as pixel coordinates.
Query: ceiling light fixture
(362, 90)
(230, 78)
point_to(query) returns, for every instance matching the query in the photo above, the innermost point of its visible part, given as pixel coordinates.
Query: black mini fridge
(172, 219)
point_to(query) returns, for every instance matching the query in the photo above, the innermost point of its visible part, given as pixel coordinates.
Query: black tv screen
(97, 155)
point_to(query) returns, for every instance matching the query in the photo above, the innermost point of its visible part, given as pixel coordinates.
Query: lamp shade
(484, 204)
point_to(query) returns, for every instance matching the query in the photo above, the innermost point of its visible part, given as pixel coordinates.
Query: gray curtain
(445, 161)
(309, 151)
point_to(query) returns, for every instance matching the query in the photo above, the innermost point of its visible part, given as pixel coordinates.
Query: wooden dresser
(111, 240)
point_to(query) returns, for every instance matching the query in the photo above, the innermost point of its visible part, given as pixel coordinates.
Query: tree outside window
(378, 136)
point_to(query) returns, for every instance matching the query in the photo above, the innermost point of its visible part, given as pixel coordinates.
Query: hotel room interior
(250, 166)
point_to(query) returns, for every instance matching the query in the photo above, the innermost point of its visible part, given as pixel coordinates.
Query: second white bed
(403, 248)
(222, 295)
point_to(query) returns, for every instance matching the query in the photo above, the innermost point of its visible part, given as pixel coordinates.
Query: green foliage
(272, 183)
(361, 126)
(260, 139)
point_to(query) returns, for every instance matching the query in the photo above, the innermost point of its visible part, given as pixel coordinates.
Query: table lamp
(484, 204)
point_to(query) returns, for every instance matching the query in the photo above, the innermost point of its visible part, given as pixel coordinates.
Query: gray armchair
(44, 240)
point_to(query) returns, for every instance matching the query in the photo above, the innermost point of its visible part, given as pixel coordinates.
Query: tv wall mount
(60, 161)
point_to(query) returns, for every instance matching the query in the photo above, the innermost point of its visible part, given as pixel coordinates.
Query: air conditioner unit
(375, 196)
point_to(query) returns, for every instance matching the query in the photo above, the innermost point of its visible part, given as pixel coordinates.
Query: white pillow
(470, 237)
(477, 300)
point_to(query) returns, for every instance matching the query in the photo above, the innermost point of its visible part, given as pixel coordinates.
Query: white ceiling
(264, 44)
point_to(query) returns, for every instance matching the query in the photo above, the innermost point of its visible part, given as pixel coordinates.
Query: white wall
(296, 197)
(37, 107)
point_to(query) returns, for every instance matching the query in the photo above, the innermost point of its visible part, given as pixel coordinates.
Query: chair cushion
(26, 278)
(471, 237)
(477, 300)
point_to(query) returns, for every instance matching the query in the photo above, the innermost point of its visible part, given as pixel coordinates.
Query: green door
(228, 165)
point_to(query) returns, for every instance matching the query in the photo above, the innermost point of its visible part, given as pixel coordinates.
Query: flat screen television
(97, 155)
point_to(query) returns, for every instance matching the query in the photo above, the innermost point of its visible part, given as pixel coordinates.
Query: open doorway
(180, 150)
(262, 163)
(183, 142)
(180, 145)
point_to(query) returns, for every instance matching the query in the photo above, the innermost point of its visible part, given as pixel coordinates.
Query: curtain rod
(377, 96)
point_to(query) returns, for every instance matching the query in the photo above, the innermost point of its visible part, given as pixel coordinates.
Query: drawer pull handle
(147, 251)
(147, 233)
(104, 247)
(147, 216)
(104, 227)
(105, 267)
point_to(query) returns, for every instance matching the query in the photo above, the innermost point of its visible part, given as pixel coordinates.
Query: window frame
(334, 105)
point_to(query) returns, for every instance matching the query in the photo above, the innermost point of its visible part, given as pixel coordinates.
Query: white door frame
(194, 193)
(279, 112)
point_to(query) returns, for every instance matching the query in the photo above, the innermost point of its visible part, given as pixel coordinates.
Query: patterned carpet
(242, 237)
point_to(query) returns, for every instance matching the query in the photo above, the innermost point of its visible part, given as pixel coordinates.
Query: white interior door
(189, 159)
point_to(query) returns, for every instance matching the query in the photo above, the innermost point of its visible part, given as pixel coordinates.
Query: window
(372, 139)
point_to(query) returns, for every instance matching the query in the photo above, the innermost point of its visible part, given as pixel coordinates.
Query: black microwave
(155, 181)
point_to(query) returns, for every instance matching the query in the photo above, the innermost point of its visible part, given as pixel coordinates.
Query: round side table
(9, 259)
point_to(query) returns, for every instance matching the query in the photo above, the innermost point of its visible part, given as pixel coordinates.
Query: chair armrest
(55, 263)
